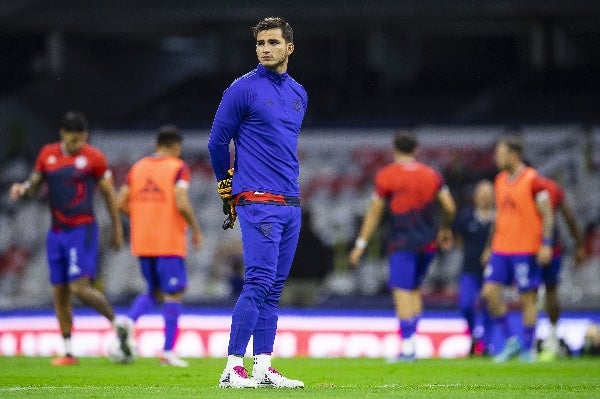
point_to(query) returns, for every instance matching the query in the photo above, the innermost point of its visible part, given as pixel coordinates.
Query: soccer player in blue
(262, 112)
(472, 228)
(72, 170)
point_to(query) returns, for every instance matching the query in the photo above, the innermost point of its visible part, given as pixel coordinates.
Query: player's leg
(467, 302)
(81, 247)
(60, 295)
(550, 279)
(528, 302)
(404, 280)
(497, 275)
(266, 327)
(423, 261)
(143, 302)
(261, 233)
(89, 296)
(64, 314)
(153, 295)
(173, 281)
(527, 276)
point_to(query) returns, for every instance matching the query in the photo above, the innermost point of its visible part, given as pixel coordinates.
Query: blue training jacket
(262, 112)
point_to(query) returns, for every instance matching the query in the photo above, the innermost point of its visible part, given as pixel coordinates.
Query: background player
(521, 240)
(472, 227)
(551, 272)
(155, 196)
(411, 189)
(72, 170)
(262, 113)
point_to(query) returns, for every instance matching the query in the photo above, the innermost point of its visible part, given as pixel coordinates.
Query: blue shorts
(164, 272)
(551, 272)
(506, 269)
(408, 269)
(72, 253)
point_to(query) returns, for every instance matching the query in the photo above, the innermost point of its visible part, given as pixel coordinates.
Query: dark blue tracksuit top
(262, 112)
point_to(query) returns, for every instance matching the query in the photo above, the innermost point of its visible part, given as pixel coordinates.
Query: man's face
(73, 141)
(484, 195)
(272, 50)
(502, 156)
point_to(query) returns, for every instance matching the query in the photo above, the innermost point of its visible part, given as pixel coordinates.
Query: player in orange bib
(155, 196)
(521, 241)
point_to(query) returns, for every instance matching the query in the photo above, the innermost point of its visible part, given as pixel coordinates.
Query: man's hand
(17, 190)
(445, 239)
(224, 190)
(229, 210)
(544, 255)
(224, 186)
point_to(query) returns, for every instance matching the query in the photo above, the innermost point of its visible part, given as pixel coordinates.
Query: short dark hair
(405, 142)
(275, 23)
(513, 143)
(74, 121)
(168, 135)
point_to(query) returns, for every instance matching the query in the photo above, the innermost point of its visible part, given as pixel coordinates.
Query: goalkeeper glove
(224, 186)
(224, 190)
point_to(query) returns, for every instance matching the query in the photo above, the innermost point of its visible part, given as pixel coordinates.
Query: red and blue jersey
(262, 113)
(72, 180)
(410, 188)
(557, 196)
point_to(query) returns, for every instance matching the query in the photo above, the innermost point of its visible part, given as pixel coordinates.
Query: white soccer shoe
(171, 359)
(124, 329)
(236, 377)
(272, 378)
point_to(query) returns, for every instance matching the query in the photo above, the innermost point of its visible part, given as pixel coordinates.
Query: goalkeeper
(262, 113)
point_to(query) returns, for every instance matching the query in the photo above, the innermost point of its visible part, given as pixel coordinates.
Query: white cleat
(124, 329)
(272, 378)
(171, 359)
(236, 377)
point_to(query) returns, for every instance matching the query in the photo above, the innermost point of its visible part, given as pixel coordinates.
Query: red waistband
(267, 198)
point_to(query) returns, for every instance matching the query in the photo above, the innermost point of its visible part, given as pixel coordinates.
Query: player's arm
(227, 121)
(544, 207)
(105, 184)
(184, 207)
(569, 215)
(27, 188)
(445, 237)
(370, 222)
(487, 249)
(123, 199)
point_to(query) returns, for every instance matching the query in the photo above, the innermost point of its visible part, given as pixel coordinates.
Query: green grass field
(26, 377)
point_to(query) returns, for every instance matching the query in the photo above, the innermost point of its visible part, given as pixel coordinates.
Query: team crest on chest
(81, 162)
(297, 105)
(51, 160)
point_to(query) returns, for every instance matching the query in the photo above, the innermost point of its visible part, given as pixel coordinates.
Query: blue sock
(488, 328)
(469, 317)
(528, 333)
(502, 322)
(407, 328)
(140, 305)
(171, 312)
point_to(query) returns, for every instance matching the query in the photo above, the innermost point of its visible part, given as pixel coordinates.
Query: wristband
(360, 243)
(547, 242)
(26, 185)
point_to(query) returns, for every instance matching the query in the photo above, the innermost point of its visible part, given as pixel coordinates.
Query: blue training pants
(269, 238)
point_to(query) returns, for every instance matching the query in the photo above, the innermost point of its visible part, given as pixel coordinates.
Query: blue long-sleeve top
(262, 112)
